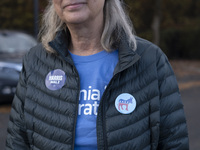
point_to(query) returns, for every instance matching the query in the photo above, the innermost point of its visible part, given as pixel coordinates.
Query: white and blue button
(125, 103)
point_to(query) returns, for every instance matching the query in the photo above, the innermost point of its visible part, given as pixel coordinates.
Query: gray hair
(116, 22)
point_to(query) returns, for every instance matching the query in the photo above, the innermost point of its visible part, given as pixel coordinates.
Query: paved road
(188, 76)
(191, 103)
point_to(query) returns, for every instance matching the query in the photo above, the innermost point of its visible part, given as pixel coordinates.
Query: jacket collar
(60, 45)
(127, 56)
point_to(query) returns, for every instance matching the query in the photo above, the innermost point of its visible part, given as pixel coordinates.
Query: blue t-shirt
(95, 72)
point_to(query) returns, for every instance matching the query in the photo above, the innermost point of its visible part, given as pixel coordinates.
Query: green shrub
(181, 43)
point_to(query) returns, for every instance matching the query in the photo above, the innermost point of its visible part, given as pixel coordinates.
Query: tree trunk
(156, 22)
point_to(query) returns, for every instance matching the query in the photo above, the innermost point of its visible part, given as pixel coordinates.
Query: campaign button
(55, 79)
(125, 103)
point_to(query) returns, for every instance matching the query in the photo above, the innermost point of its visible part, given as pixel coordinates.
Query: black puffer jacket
(42, 119)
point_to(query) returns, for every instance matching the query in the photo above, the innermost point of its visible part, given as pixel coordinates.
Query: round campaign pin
(125, 103)
(55, 79)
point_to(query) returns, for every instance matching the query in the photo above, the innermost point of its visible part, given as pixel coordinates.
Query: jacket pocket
(30, 138)
(155, 131)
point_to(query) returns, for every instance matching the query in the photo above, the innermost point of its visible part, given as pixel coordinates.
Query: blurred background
(174, 25)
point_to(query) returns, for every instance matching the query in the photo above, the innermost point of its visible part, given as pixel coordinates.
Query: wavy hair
(116, 21)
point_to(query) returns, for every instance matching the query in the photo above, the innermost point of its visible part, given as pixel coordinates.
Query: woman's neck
(85, 40)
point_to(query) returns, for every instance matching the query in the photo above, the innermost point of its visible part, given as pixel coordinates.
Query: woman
(92, 84)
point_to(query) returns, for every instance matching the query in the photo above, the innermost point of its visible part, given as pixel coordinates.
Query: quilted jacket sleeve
(173, 128)
(16, 138)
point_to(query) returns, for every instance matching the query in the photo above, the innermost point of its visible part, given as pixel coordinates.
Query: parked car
(13, 46)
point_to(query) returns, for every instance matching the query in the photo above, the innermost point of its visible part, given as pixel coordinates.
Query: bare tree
(156, 22)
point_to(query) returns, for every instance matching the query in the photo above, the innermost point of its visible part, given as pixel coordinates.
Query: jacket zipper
(77, 104)
(104, 114)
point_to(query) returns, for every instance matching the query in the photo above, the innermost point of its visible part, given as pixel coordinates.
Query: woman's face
(79, 11)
